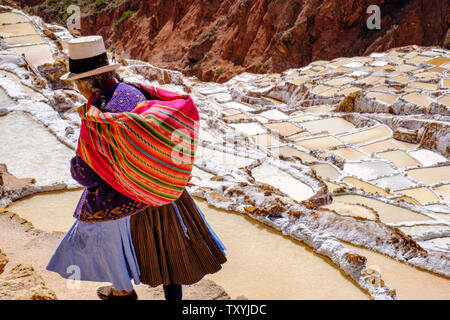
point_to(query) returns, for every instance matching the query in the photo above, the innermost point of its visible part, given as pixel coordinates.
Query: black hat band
(88, 64)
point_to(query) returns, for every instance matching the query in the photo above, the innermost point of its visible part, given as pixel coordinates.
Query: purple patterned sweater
(99, 199)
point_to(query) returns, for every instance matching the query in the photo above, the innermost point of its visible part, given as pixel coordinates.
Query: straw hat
(87, 57)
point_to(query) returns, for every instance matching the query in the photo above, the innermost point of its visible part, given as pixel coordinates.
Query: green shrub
(260, 68)
(220, 70)
(125, 16)
(99, 3)
(208, 35)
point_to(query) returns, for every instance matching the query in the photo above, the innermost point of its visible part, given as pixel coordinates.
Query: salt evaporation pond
(321, 109)
(231, 112)
(248, 128)
(24, 39)
(321, 143)
(36, 54)
(224, 158)
(427, 157)
(31, 151)
(394, 182)
(349, 154)
(222, 97)
(276, 177)
(430, 175)
(443, 191)
(387, 212)
(52, 211)
(368, 170)
(264, 264)
(11, 17)
(283, 128)
(365, 186)
(237, 117)
(407, 199)
(422, 194)
(287, 151)
(274, 114)
(325, 170)
(237, 105)
(331, 125)
(418, 230)
(303, 118)
(399, 158)
(299, 135)
(353, 210)
(409, 282)
(332, 187)
(366, 135)
(19, 29)
(387, 144)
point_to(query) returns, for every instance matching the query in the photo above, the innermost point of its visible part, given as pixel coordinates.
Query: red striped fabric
(146, 154)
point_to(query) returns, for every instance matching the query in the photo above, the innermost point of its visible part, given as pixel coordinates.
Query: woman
(117, 238)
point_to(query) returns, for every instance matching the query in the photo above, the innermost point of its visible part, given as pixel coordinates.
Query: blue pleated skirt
(103, 252)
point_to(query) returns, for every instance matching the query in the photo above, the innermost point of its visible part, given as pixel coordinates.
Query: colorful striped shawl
(146, 154)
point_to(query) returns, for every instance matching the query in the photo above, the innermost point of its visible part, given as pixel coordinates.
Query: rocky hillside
(216, 40)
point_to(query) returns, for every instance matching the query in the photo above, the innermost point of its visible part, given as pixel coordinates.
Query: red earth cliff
(215, 40)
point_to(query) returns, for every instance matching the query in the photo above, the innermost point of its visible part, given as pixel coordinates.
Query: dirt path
(25, 245)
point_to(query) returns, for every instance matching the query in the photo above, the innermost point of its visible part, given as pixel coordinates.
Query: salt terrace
(348, 157)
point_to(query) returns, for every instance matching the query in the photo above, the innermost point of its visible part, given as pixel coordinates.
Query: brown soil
(22, 244)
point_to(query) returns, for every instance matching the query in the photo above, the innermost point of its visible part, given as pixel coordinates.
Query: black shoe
(105, 293)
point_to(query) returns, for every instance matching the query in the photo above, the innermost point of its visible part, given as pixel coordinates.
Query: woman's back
(119, 97)
(101, 202)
